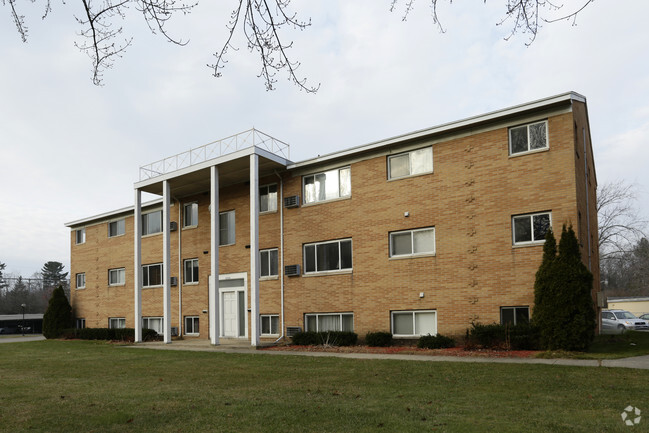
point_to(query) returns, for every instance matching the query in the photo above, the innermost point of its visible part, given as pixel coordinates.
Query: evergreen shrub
(378, 339)
(328, 338)
(58, 316)
(438, 341)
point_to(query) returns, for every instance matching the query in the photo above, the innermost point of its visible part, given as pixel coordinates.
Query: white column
(214, 314)
(254, 249)
(137, 265)
(166, 260)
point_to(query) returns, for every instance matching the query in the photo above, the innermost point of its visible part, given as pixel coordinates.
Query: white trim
(412, 243)
(527, 129)
(531, 216)
(148, 265)
(117, 284)
(410, 154)
(185, 325)
(338, 197)
(76, 281)
(115, 222)
(415, 334)
(327, 271)
(244, 288)
(340, 316)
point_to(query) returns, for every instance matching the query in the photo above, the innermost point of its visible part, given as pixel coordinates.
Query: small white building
(635, 304)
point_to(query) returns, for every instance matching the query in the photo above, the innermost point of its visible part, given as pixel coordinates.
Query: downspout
(180, 273)
(281, 254)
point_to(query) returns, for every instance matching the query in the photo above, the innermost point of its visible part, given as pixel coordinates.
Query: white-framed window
(412, 242)
(116, 322)
(328, 185)
(269, 324)
(152, 223)
(528, 138)
(191, 325)
(191, 271)
(514, 315)
(190, 215)
(414, 323)
(117, 277)
(80, 323)
(116, 228)
(328, 256)
(323, 322)
(80, 236)
(155, 323)
(152, 275)
(268, 198)
(81, 280)
(411, 163)
(269, 262)
(531, 228)
(226, 228)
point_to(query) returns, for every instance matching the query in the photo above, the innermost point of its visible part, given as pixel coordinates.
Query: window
(226, 228)
(268, 260)
(329, 322)
(152, 223)
(414, 323)
(530, 228)
(269, 324)
(116, 228)
(116, 277)
(514, 315)
(80, 236)
(80, 323)
(81, 280)
(152, 275)
(328, 185)
(190, 215)
(412, 242)
(268, 198)
(191, 271)
(410, 163)
(328, 256)
(528, 138)
(191, 325)
(116, 322)
(155, 323)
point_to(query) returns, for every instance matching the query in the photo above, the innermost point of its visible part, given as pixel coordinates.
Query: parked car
(621, 320)
(645, 317)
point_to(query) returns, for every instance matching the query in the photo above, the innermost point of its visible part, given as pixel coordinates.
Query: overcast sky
(70, 149)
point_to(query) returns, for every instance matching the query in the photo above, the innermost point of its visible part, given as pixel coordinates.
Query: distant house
(417, 234)
(635, 304)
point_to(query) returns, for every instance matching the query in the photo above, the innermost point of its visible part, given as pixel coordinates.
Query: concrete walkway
(19, 338)
(243, 346)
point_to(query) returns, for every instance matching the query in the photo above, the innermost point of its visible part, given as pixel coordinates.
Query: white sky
(69, 149)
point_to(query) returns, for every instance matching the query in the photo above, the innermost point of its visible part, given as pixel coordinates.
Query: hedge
(438, 341)
(110, 334)
(523, 336)
(378, 339)
(329, 338)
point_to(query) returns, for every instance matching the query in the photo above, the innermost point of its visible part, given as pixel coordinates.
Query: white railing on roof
(243, 140)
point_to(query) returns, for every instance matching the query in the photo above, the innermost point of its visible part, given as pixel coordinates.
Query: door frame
(234, 276)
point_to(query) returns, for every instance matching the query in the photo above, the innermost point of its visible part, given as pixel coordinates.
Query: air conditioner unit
(292, 330)
(292, 270)
(174, 281)
(173, 226)
(292, 201)
(174, 331)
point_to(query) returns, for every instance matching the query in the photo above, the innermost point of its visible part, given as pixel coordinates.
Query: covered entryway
(232, 297)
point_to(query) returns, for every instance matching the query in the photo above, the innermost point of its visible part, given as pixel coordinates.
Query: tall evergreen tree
(58, 316)
(52, 274)
(564, 309)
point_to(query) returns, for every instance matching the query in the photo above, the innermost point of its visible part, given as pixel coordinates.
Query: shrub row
(378, 339)
(110, 334)
(523, 336)
(330, 338)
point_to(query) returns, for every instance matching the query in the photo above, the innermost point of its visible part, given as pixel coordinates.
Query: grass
(607, 346)
(64, 386)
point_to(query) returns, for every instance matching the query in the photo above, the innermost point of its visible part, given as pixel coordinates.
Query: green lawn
(78, 386)
(616, 346)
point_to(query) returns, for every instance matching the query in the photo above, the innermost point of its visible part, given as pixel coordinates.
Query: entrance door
(230, 322)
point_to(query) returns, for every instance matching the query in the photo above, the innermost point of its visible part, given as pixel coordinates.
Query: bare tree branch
(261, 24)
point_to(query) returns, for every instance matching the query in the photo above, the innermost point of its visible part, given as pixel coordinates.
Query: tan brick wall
(470, 198)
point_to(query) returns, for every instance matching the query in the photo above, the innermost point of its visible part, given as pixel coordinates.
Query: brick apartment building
(416, 234)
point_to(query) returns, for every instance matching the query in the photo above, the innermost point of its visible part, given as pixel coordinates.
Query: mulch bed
(455, 351)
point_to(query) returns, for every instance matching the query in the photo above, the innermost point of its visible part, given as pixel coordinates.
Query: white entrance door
(230, 322)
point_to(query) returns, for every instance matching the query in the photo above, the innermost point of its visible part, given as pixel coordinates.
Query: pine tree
(52, 274)
(564, 311)
(58, 316)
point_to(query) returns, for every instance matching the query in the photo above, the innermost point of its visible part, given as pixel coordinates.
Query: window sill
(192, 334)
(117, 285)
(152, 287)
(529, 244)
(269, 335)
(412, 256)
(325, 273)
(193, 283)
(116, 236)
(410, 176)
(267, 212)
(150, 235)
(195, 226)
(514, 155)
(315, 203)
(80, 288)
(269, 278)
